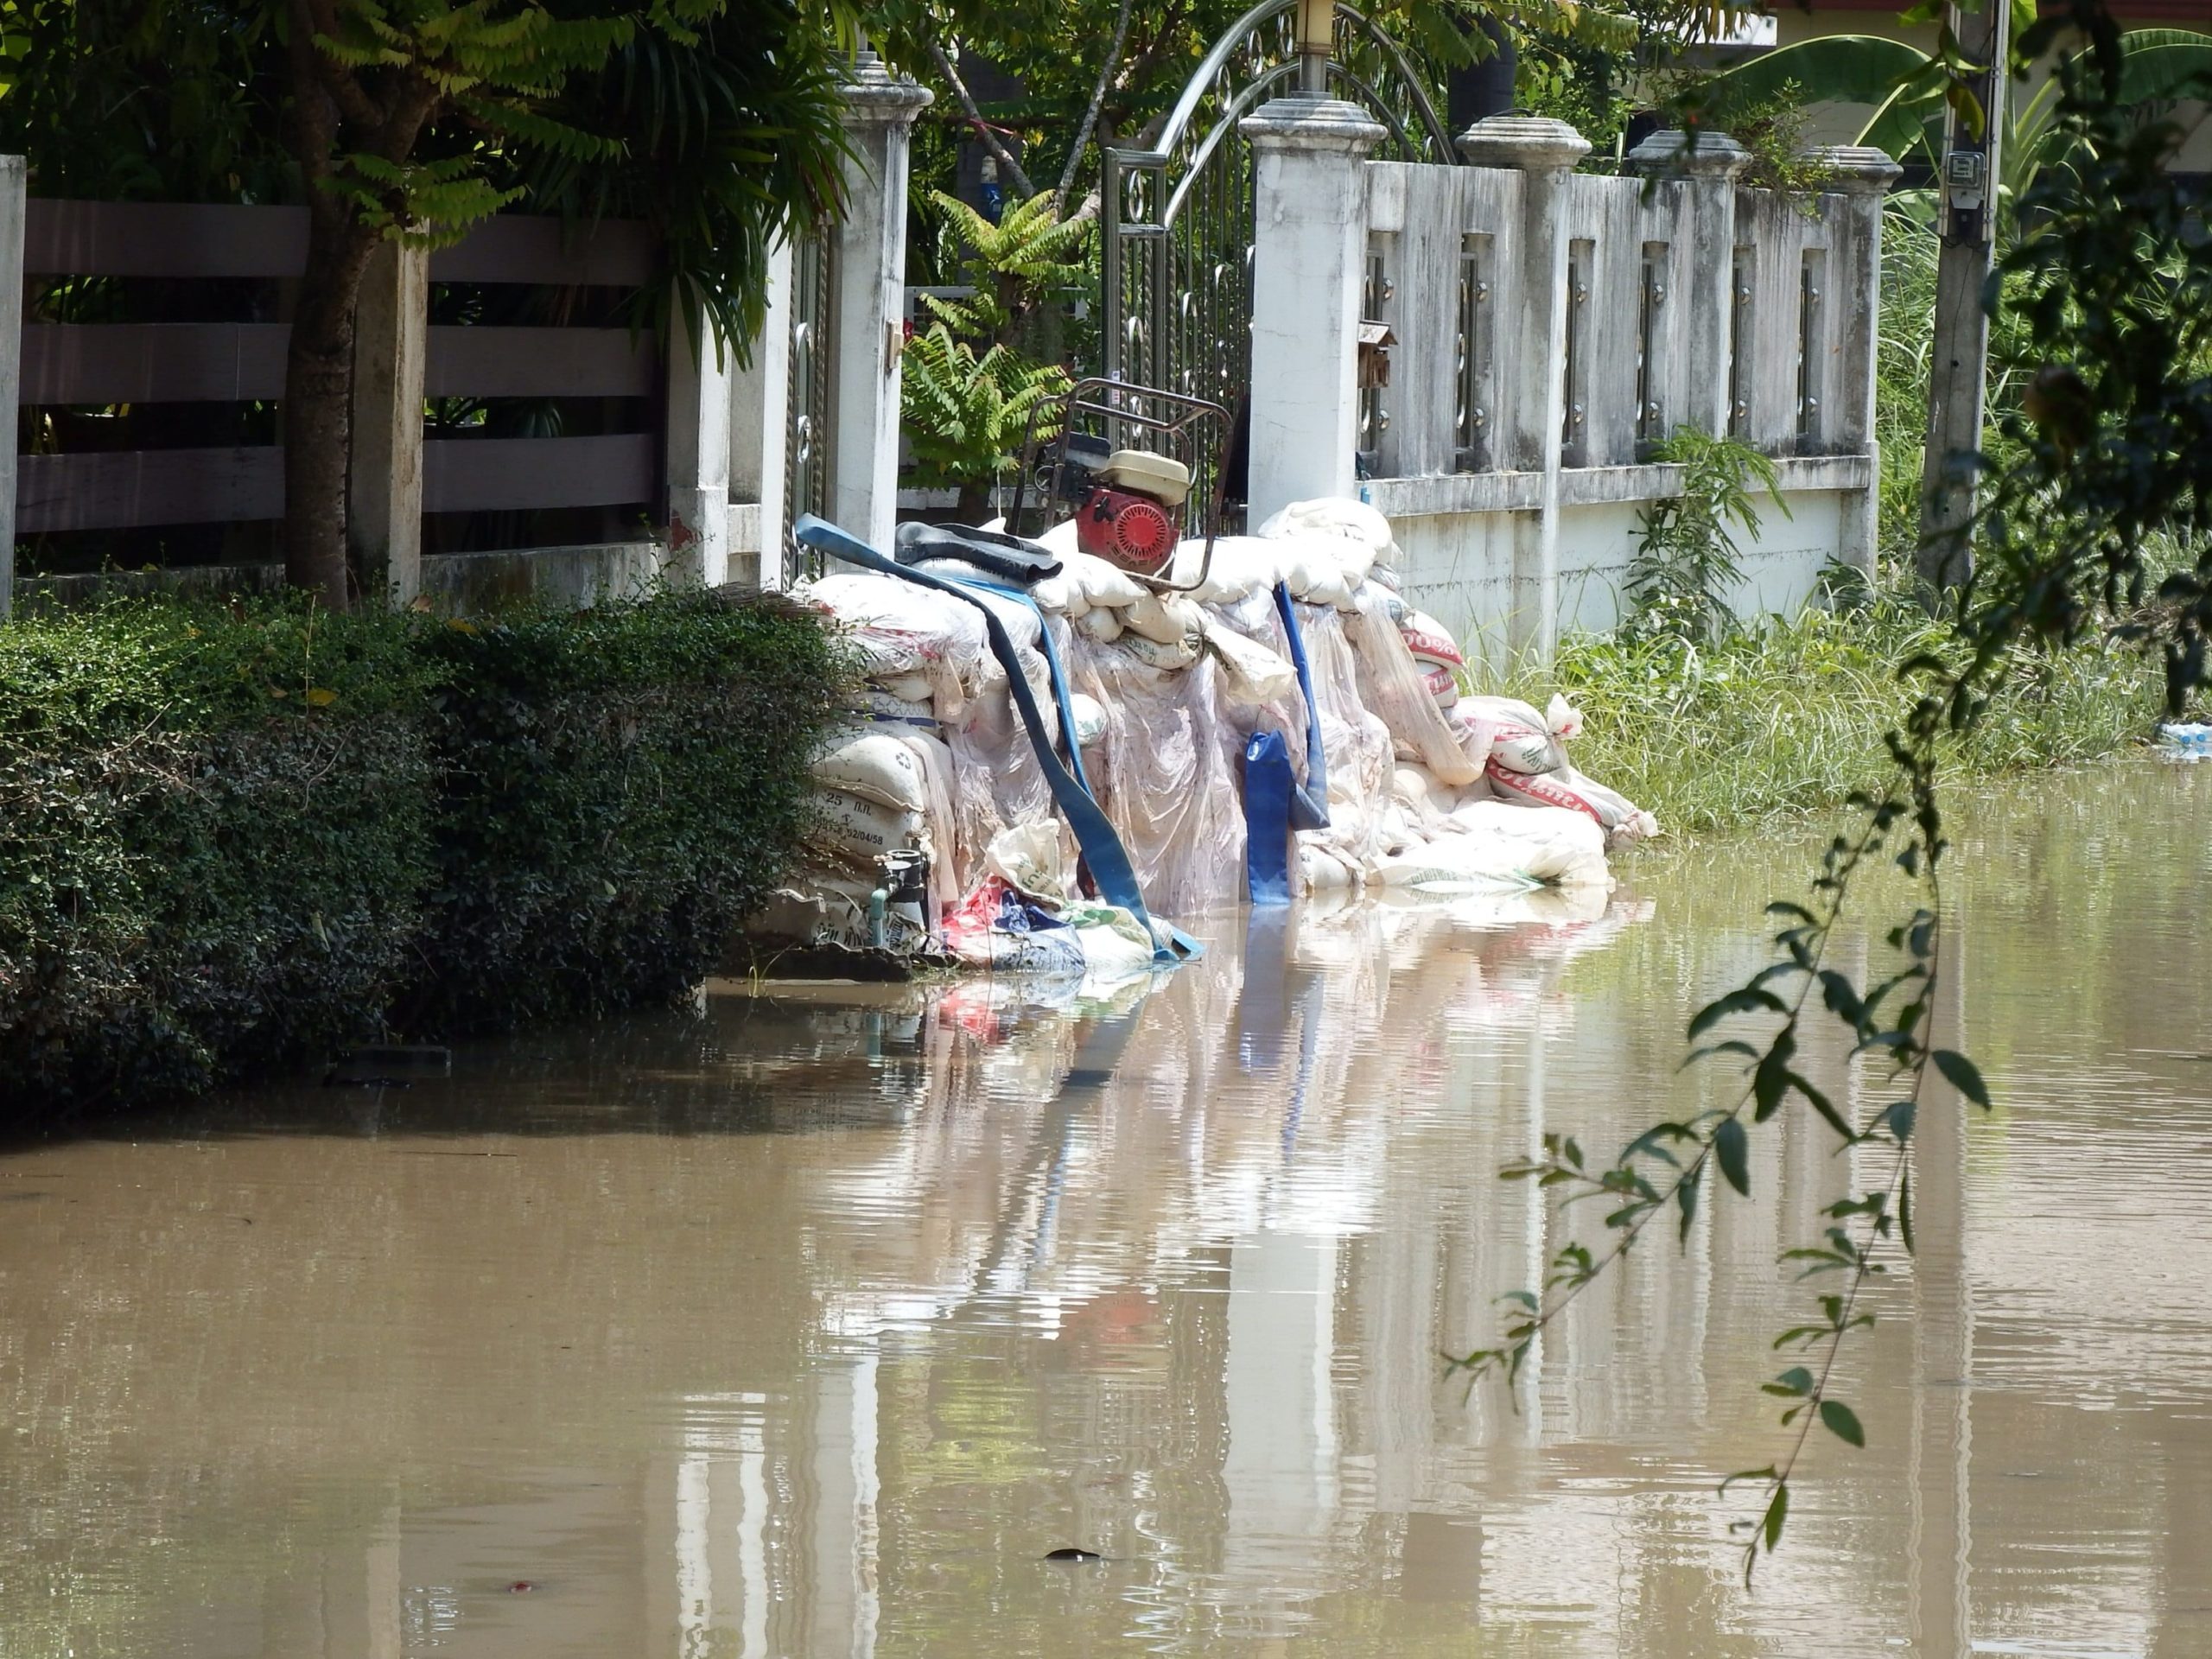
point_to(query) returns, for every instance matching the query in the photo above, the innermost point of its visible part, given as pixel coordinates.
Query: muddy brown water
(807, 1325)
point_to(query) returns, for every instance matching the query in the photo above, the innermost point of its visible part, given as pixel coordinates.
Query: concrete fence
(1549, 328)
(710, 478)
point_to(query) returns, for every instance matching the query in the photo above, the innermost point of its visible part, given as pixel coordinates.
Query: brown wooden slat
(528, 248)
(149, 239)
(482, 474)
(540, 363)
(148, 487)
(153, 362)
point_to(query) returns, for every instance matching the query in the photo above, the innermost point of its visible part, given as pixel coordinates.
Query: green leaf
(1793, 1384)
(1732, 1147)
(1962, 1075)
(1842, 1422)
(1746, 1001)
(1777, 1510)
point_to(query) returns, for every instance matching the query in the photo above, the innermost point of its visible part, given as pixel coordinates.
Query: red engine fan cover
(1124, 528)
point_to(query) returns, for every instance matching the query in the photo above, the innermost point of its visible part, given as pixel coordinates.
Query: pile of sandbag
(1428, 786)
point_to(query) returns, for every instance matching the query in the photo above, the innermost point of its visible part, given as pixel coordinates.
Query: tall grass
(1790, 717)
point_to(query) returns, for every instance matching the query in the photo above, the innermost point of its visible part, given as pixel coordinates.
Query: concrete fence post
(759, 432)
(1862, 175)
(1710, 168)
(868, 304)
(697, 506)
(1545, 152)
(384, 472)
(11, 361)
(1308, 265)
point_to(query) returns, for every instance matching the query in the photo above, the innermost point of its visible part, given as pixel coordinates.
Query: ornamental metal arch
(1176, 219)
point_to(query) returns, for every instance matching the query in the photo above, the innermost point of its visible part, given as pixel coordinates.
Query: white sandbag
(1443, 685)
(1317, 570)
(1058, 596)
(1253, 616)
(1428, 639)
(1250, 673)
(904, 632)
(1320, 870)
(1165, 657)
(1548, 845)
(1163, 621)
(1618, 816)
(1417, 786)
(1510, 732)
(1027, 858)
(1242, 564)
(1102, 623)
(873, 766)
(881, 705)
(1100, 583)
(1364, 532)
(859, 830)
(1060, 540)
(1090, 719)
(903, 687)
(1115, 945)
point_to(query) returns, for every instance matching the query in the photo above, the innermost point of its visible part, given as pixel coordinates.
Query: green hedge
(234, 837)
(623, 785)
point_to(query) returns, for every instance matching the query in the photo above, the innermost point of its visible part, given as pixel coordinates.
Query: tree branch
(1015, 175)
(1090, 115)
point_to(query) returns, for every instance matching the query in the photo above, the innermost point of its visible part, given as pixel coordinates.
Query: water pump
(1129, 507)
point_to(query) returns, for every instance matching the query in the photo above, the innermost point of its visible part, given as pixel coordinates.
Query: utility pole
(1958, 367)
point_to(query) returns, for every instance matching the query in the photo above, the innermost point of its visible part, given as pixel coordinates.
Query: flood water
(806, 1326)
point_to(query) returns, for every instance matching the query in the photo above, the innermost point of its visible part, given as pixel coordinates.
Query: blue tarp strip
(1309, 804)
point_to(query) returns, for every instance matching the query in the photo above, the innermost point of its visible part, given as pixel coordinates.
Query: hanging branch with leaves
(2114, 456)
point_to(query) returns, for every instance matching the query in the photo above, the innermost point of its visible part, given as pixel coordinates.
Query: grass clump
(1789, 717)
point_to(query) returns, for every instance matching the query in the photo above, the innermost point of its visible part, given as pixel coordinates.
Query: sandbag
(1090, 719)
(1543, 844)
(1250, 673)
(1508, 731)
(1166, 657)
(875, 766)
(1362, 535)
(1102, 623)
(859, 830)
(1163, 621)
(1613, 812)
(879, 704)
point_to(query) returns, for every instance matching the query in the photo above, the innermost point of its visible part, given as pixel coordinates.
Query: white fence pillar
(1308, 265)
(11, 361)
(759, 430)
(697, 504)
(384, 471)
(868, 302)
(1710, 168)
(1545, 152)
(1861, 174)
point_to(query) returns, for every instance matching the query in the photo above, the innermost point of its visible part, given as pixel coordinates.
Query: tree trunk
(975, 502)
(318, 406)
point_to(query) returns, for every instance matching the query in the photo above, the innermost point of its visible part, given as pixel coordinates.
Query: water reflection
(806, 1326)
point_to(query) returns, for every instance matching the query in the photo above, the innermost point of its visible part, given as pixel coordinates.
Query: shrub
(214, 827)
(233, 839)
(621, 786)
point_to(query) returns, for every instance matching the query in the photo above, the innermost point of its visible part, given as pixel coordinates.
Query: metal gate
(1177, 219)
(808, 394)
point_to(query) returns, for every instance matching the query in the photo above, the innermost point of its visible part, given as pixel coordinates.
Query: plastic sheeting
(1169, 689)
